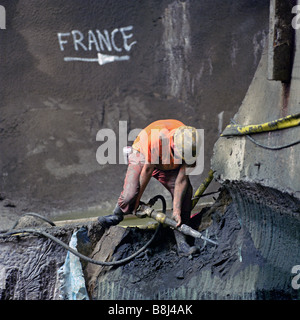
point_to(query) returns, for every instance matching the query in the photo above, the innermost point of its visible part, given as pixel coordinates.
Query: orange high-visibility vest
(155, 142)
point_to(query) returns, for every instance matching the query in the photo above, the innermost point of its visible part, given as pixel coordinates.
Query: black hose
(28, 214)
(76, 253)
(163, 201)
(268, 147)
(33, 215)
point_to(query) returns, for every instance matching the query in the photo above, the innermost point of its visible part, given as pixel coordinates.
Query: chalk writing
(118, 40)
(2, 18)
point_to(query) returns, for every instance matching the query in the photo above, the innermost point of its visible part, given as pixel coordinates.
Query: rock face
(258, 244)
(191, 60)
(29, 266)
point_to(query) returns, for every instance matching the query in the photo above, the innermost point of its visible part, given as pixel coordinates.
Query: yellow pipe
(282, 123)
(202, 188)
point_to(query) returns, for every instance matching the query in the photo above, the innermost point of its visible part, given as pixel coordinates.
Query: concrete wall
(265, 184)
(190, 60)
(238, 159)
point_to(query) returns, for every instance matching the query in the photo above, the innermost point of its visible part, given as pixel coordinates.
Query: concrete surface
(238, 159)
(281, 40)
(191, 60)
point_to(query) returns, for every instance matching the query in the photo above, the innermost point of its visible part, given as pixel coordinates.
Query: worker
(163, 150)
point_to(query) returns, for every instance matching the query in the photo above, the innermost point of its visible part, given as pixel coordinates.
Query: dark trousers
(167, 178)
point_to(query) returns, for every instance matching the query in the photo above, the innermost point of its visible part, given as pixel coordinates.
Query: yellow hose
(282, 123)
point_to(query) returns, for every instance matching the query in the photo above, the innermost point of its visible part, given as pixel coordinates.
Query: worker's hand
(177, 218)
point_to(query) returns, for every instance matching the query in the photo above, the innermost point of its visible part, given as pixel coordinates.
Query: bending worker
(163, 150)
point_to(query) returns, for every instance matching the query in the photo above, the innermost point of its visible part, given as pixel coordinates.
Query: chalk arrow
(101, 59)
(104, 58)
(80, 59)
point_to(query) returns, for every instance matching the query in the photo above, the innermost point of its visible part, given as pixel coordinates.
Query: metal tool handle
(162, 218)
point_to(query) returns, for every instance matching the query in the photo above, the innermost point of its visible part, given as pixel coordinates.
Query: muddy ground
(238, 268)
(246, 264)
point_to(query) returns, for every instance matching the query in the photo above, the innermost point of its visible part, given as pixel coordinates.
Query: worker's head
(186, 143)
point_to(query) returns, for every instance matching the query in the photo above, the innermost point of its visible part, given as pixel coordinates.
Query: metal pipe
(163, 219)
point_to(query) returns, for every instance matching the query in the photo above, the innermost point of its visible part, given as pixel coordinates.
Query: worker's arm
(145, 177)
(181, 185)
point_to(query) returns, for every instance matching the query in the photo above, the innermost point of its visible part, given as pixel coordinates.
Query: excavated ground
(159, 273)
(257, 228)
(258, 245)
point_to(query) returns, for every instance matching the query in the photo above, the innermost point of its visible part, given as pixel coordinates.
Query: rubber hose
(163, 201)
(81, 256)
(76, 253)
(28, 214)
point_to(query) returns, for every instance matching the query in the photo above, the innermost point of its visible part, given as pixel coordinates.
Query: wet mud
(257, 230)
(245, 264)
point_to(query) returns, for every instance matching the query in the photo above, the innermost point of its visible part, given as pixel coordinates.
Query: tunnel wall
(190, 60)
(265, 183)
(239, 159)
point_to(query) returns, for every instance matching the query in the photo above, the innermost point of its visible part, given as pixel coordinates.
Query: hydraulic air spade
(145, 210)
